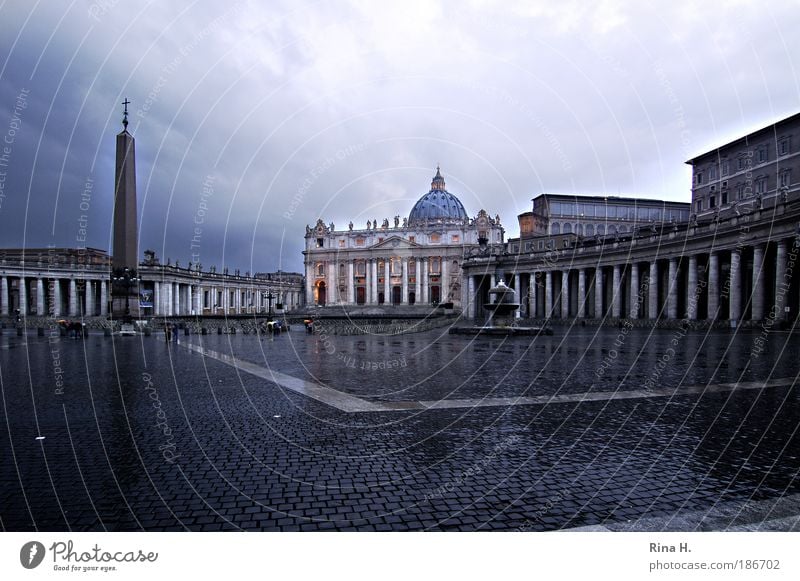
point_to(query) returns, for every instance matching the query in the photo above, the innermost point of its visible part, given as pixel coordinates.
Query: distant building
(416, 262)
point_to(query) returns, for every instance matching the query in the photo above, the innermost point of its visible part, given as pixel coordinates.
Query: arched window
(612, 230)
(589, 230)
(320, 269)
(601, 230)
(555, 228)
(567, 228)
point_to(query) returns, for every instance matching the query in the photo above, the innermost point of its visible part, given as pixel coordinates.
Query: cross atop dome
(438, 181)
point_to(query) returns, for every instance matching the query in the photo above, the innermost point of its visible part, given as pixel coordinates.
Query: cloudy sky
(253, 119)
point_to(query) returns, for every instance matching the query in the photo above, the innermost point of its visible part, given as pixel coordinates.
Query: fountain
(502, 309)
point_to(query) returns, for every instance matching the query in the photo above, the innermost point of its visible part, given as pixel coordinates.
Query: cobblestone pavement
(141, 434)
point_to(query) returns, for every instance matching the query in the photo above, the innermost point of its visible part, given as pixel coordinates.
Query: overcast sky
(287, 112)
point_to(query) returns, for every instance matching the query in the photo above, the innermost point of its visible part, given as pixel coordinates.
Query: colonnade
(53, 296)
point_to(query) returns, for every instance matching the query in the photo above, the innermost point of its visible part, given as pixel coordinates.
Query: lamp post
(269, 296)
(125, 278)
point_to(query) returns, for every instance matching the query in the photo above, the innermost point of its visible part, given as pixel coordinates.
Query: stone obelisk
(124, 260)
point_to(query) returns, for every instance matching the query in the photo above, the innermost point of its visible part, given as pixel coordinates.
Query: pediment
(396, 243)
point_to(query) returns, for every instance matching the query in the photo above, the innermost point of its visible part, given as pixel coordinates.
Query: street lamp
(125, 278)
(269, 296)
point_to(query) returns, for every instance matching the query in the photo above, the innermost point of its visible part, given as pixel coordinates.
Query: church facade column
(404, 282)
(652, 291)
(548, 294)
(518, 294)
(425, 289)
(351, 284)
(387, 280)
(471, 297)
(692, 294)
(758, 283)
(444, 295)
(565, 294)
(616, 292)
(73, 298)
(633, 303)
(39, 297)
(781, 284)
(103, 298)
(598, 293)
(533, 298)
(735, 289)
(418, 281)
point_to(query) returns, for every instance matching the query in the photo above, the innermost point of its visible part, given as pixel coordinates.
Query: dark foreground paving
(142, 435)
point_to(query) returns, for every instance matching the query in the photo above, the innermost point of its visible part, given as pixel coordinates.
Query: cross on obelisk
(125, 114)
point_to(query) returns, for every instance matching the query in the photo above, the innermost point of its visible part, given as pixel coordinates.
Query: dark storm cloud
(252, 122)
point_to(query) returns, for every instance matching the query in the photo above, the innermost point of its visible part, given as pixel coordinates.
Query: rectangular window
(761, 185)
(412, 238)
(726, 167)
(784, 146)
(724, 198)
(341, 243)
(698, 179)
(712, 173)
(320, 242)
(435, 238)
(455, 238)
(786, 178)
(712, 202)
(359, 242)
(761, 154)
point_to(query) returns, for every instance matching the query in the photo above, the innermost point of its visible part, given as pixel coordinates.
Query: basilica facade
(416, 261)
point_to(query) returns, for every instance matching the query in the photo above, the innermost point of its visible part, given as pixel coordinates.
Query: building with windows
(732, 261)
(555, 214)
(416, 262)
(762, 165)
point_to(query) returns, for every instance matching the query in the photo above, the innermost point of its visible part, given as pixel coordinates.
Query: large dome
(437, 205)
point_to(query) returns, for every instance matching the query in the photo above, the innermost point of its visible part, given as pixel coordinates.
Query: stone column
(781, 285)
(565, 294)
(332, 283)
(23, 296)
(672, 286)
(598, 293)
(4, 310)
(633, 310)
(387, 278)
(735, 289)
(404, 282)
(652, 291)
(39, 297)
(471, 298)
(103, 298)
(418, 280)
(758, 286)
(533, 292)
(445, 278)
(375, 281)
(156, 298)
(616, 292)
(548, 294)
(518, 293)
(713, 285)
(425, 289)
(692, 292)
(73, 298)
(88, 299)
(351, 285)
(582, 293)
(56, 306)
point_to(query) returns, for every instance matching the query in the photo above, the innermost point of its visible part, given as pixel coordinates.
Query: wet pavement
(620, 429)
